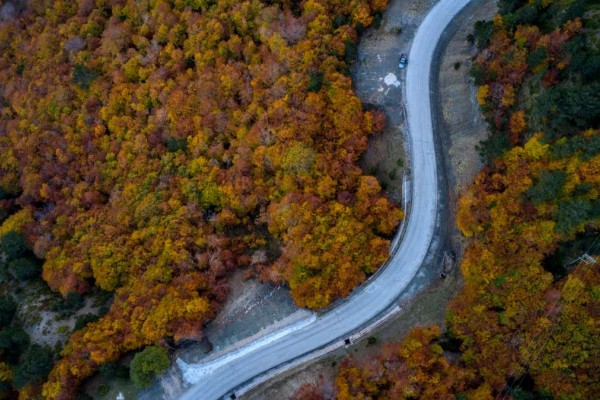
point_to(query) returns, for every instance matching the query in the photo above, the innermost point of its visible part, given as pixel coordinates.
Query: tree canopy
(149, 148)
(147, 364)
(37, 362)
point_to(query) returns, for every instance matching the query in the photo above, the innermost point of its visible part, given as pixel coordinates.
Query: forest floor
(51, 328)
(461, 126)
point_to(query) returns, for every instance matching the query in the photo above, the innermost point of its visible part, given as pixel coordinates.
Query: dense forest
(150, 147)
(526, 325)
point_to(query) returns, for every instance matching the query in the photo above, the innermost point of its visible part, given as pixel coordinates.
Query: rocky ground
(461, 128)
(46, 327)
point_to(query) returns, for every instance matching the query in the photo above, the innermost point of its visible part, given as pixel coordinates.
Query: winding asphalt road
(231, 371)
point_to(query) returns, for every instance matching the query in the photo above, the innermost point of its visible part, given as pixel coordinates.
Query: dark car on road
(403, 61)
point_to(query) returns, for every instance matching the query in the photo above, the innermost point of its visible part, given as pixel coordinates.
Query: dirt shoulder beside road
(460, 127)
(459, 121)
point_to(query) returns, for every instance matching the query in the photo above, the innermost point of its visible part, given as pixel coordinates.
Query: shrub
(13, 342)
(83, 76)
(72, 302)
(63, 329)
(85, 319)
(113, 370)
(316, 82)
(393, 174)
(103, 389)
(7, 310)
(12, 244)
(24, 268)
(478, 74)
(350, 51)
(147, 364)
(483, 33)
(34, 367)
(175, 144)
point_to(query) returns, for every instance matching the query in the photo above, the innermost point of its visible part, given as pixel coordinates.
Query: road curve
(231, 371)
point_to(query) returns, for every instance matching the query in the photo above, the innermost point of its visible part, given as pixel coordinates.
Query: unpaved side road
(460, 127)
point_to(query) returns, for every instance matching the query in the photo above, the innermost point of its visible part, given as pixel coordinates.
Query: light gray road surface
(222, 376)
